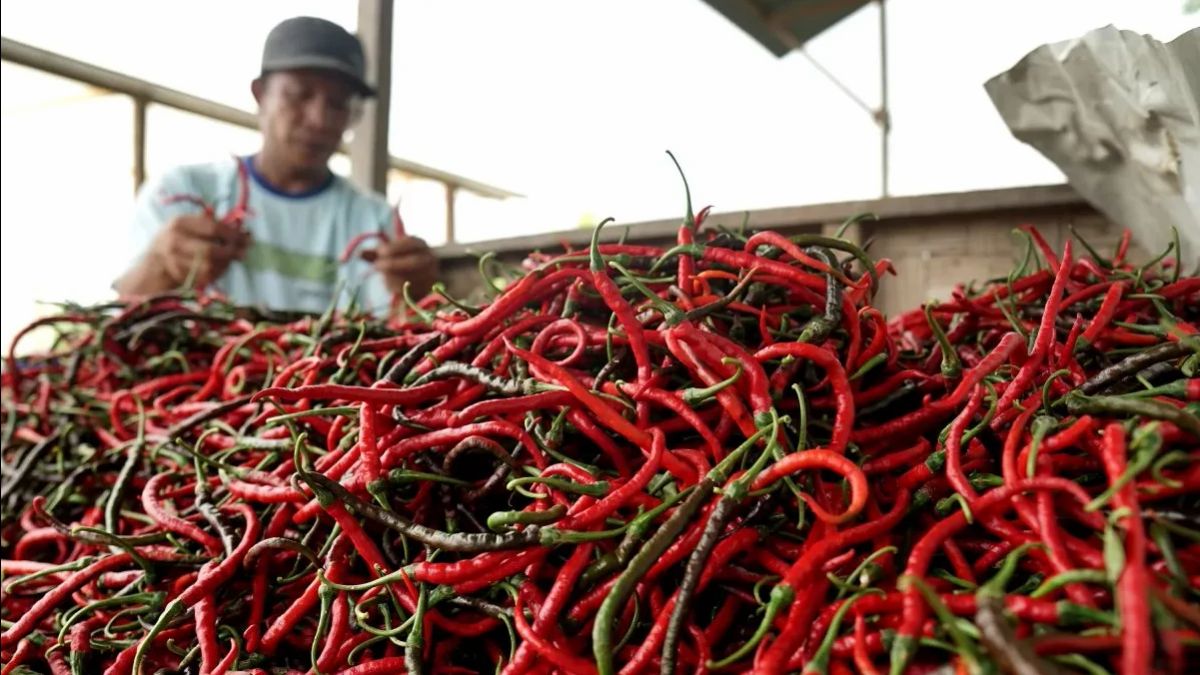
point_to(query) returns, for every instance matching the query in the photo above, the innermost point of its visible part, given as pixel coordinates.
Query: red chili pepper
(769, 238)
(295, 613)
(552, 332)
(206, 634)
(70, 584)
(394, 454)
(1070, 437)
(558, 657)
(958, 561)
(384, 666)
(710, 347)
(611, 295)
(674, 402)
(842, 396)
(485, 570)
(1125, 337)
(620, 496)
(376, 395)
(954, 465)
(1044, 247)
(1041, 346)
(721, 555)
(1087, 292)
(1059, 555)
(238, 212)
(862, 658)
(24, 651)
(738, 259)
(899, 459)
(603, 412)
(614, 454)
(1137, 651)
(804, 571)
(173, 523)
(1177, 289)
(504, 406)
(368, 444)
(553, 605)
(275, 528)
(1105, 314)
(528, 289)
(733, 405)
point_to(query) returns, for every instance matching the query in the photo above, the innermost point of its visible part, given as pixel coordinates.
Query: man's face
(304, 113)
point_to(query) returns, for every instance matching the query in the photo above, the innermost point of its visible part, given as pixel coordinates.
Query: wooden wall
(934, 241)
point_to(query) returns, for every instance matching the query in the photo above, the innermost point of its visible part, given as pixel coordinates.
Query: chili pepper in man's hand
(198, 247)
(405, 260)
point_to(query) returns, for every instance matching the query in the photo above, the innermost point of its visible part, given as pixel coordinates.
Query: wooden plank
(931, 252)
(1022, 199)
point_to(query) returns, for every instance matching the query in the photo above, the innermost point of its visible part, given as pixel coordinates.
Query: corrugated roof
(784, 25)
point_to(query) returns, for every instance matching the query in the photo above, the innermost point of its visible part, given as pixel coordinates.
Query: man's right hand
(199, 247)
(193, 246)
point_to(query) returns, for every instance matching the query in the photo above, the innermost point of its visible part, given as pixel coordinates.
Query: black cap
(308, 42)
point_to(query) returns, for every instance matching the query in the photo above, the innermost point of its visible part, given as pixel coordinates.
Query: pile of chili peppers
(712, 457)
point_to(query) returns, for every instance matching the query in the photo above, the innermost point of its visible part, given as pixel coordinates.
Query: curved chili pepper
(843, 398)
(954, 469)
(1105, 314)
(820, 459)
(1041, 345)
(714, 381)
(528, 289)
(556, 656)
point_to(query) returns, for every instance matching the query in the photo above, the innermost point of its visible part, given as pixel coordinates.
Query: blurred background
(551, 115)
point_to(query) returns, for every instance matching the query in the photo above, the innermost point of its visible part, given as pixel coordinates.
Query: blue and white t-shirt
(292, 261)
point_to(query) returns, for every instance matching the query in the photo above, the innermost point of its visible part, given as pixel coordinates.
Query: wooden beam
(810, 9)
(112, 81)
(139, 142)
(451, 193)
(369, 147)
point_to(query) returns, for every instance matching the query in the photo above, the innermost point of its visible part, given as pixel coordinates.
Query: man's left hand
(407, 259)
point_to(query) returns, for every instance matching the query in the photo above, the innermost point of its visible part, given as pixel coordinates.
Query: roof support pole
(369, 147)
(139, 142)
(883, 116)
(451, 194)
(882, 113)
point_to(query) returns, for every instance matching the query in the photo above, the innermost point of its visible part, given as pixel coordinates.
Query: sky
(570, 103)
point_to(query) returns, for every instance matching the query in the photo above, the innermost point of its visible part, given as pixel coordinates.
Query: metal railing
(144, 93)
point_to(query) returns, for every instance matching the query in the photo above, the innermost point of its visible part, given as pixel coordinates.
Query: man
(284, 252)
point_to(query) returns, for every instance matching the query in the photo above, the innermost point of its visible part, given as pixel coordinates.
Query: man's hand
(406, 259)
(197, 244)
(190, 246)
